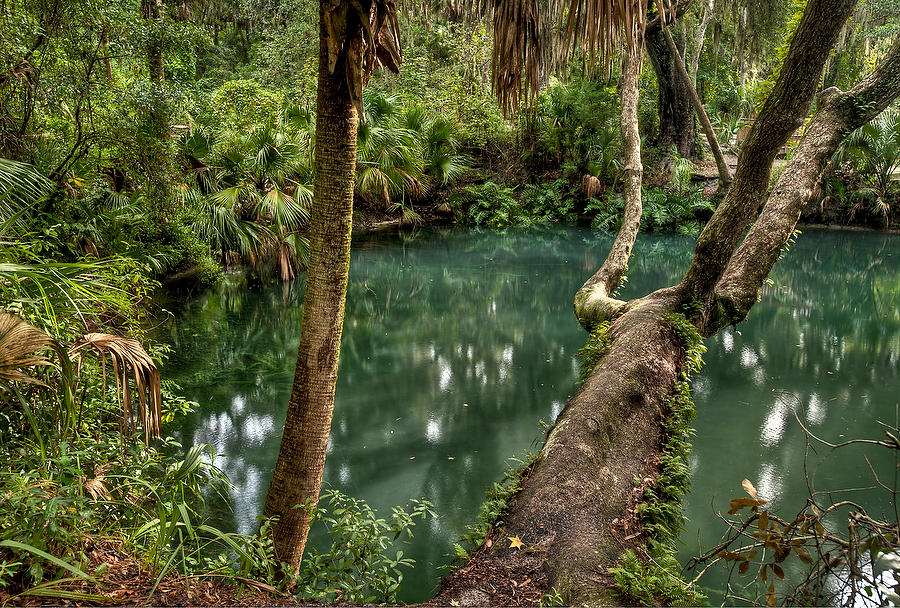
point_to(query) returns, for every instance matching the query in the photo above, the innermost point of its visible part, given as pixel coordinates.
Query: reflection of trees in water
(824, 341)
(440, 318)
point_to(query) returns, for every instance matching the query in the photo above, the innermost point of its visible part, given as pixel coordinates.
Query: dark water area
(457, 343)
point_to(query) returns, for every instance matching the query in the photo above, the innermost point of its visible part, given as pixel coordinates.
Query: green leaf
(12, 544)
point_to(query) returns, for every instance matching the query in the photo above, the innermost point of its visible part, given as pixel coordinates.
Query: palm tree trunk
(298, 472)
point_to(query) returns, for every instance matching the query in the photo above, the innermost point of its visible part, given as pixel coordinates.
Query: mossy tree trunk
(571, 510)
(354, 38)
(676, 116)
(301, 459)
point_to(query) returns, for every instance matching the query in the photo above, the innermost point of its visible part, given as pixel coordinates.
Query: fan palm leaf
(131, 364)
(19, 345)
(285, 212)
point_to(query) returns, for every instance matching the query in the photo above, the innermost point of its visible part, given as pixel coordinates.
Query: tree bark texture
(685, 79)
(298, 471)
(781, 115)
(570, 510)
(676, 117)
(839, 113)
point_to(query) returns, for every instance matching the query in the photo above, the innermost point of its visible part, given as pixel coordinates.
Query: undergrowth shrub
(663, 210)
(495, 206)
(361, 565)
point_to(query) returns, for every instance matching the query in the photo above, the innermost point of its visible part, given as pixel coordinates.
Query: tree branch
(839, 114)
(593, 303)
(782, 113)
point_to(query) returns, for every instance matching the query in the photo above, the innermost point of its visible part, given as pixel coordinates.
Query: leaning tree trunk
(573, 509)
(685, 80)
(298, 471)
(676, 116)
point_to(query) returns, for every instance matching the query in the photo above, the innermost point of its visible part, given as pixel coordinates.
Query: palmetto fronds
(404, 152)
(19, 345)
(20, 185)
(22, 347)
(131, 364)
(255, 189)
(874, 151)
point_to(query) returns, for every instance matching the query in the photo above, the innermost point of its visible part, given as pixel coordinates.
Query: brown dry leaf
(804, 555)
(95, 486)
(771, 598)
(131, 363)
(739, 503)
(19, 342)
(749, 489)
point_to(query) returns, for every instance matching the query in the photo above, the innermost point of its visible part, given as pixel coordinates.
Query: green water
(457, 343)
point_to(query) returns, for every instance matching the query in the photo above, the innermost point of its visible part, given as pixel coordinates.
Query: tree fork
(610, 428)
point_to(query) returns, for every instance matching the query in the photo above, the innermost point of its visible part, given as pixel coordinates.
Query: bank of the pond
(478, 325)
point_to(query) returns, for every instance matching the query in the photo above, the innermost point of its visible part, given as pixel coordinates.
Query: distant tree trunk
(298, 470)
(685, 79)
(157, 155)
(676, 116)
(708, 9)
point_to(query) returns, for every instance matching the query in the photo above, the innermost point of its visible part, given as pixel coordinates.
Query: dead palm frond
(130, 362)
(516, 56)
(381, 44)
(19, 345)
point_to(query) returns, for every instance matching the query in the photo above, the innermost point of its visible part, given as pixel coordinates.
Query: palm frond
(131, 363)
(516, 54)
(19, 343)
(20, 186)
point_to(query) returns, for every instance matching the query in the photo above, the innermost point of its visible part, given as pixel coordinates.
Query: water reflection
(457, 342)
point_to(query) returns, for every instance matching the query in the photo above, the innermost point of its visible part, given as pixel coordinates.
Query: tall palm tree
(354, 37)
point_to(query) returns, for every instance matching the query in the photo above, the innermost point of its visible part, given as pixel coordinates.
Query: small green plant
(361, 565)
(543, 203)
(596, 347)
(552, 598)
(488, 204)
(652, 583)
(495, 506)
(671, 210)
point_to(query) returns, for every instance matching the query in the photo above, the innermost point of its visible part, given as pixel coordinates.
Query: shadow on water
(456, 343)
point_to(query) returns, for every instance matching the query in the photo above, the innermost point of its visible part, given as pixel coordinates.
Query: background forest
(160, 142)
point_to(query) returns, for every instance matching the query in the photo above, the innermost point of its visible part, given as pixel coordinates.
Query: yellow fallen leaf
(515, 542)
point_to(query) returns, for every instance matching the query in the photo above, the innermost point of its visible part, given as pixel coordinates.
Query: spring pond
(458, 342)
